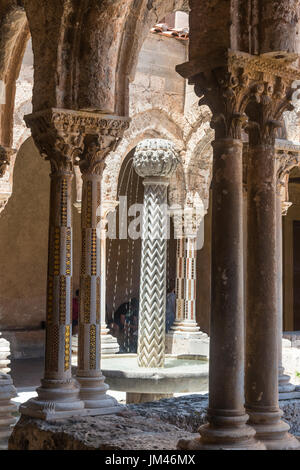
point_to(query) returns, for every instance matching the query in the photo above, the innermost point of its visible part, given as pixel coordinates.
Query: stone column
(185, 336)
(226, 90)
(57, 136)
(272, 97)
(155, 161)
(7, 389)
(285, 388)
(102, 133)
(287, 157)
(109, 344)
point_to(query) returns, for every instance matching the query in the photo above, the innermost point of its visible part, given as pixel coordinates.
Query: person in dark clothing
(75, 312)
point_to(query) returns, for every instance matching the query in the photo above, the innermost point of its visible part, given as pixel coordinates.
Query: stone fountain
(151, 374)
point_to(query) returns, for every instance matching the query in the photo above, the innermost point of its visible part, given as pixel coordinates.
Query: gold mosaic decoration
(56, 265)
(52, 345)
(67, 347)
(83, 253)
(68, 252)
(98, 300)
(71, 299)
(94, 253)
(89, 196)
(63, 202)
(62, 300)
(98, 201)
(50, 300)
(93, 347)
(87, 299)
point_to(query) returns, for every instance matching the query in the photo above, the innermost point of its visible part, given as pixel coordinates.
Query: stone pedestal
(187, 343)
(4, 355)
(7, 420)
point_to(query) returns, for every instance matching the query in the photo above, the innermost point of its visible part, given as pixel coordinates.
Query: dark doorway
(297, 275)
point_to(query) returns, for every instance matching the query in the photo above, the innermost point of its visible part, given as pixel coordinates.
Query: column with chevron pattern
(155, 160)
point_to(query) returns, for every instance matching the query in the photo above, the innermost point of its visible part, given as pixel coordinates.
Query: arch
(14, 34)
(150, 124)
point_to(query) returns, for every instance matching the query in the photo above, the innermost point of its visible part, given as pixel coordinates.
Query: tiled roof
(164, 30)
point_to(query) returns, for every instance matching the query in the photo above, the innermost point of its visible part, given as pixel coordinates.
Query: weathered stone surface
(125, 431)
(154, 425)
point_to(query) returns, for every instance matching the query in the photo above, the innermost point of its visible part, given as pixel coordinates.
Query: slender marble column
(58, 395)
(285, 388)
(109, 344)
(186, 286)
(97, 145)
(154, 160)
(261, 380)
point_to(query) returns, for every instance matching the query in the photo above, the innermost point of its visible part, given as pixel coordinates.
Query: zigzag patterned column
(102, 136)
(155, 160)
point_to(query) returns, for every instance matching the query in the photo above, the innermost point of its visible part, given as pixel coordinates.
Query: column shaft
(185, 320)
(58, 393)
(152, 316)
(109, 344)
(89, 375)
(284, 386)
(227, 324)
(226, 428)
(262, 302)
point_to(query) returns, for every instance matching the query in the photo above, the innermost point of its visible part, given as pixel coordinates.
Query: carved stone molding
(187, 219)
(241, 79)
(287, 157)
(63, 136)
(99, 142)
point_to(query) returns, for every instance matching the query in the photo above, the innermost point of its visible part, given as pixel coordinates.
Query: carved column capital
(155, 158)
(259, 87)
(287, 157)
(66, 136)
(272, 90)
(102, 134)
(187, 219)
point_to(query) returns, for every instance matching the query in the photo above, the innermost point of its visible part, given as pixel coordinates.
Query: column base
(272, 431)
(4, 354)
(109, 345)
(7, 420)
(93, 394)
(225, 433)
(56, 400)
(187, 339)
(287, 391)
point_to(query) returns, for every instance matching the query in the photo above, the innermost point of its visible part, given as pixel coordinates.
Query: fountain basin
(181, 374)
